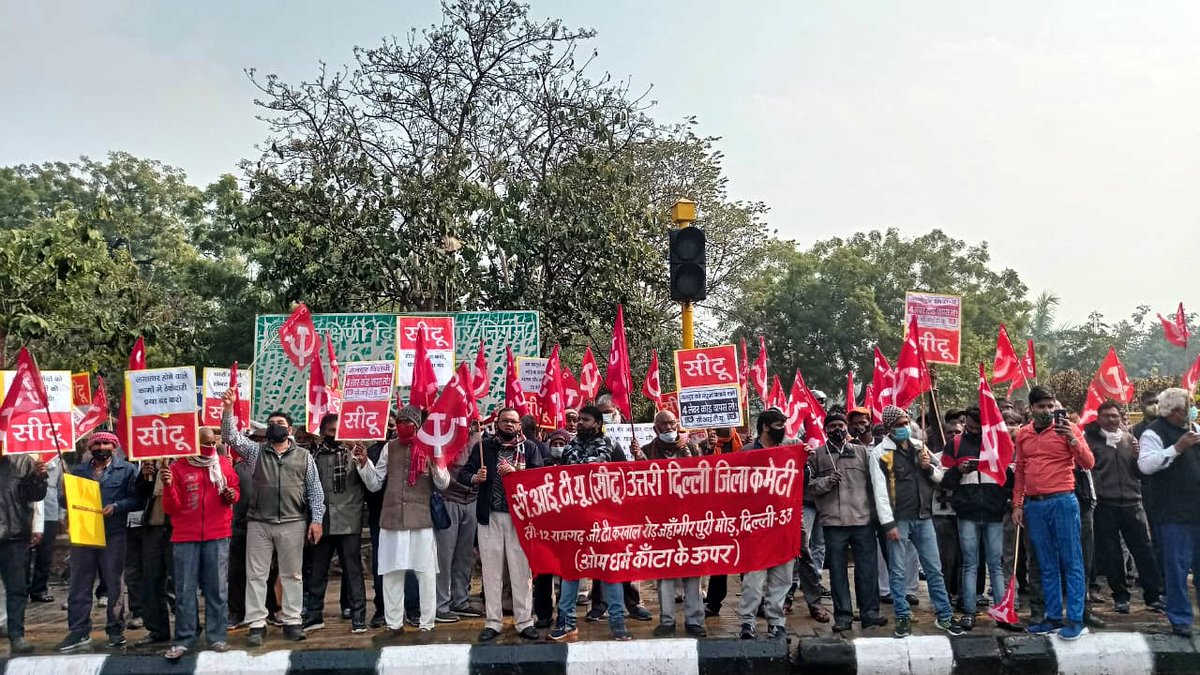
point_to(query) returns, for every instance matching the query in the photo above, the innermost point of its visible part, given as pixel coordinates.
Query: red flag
(97, 412)
(1192, 376)
(424, 380)
(551, 406)
(1006, 611)
(744, 378)
(997, 451)
(617, 376)
(775, 399)
(1176, 330)
(797, 408)
(514, 394)
(335, 373)
(851, 404)
(1030, 363)
(320, 399)
(572, 393)
(912, 374)
(589, 376)
(299, 338)
(869, 396)
(1109, 382)
(447, 429)
(467, 377)
(27, 393)
(1007, 367)
(481, 379)
(883, 387)
(137, 361)
(810, 412)
(652, 388)
(758, 371)
(240, 415)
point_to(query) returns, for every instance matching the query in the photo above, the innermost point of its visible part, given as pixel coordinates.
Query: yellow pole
(683, 213)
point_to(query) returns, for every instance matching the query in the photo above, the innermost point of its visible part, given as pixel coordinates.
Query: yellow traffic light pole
(683, 213)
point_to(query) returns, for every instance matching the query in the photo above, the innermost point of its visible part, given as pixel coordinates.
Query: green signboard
(278, 385)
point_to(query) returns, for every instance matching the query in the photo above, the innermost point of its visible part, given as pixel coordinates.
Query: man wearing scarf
(120, 494)
(508, 451)
(198, 494)
(406, 539)
(342, 531)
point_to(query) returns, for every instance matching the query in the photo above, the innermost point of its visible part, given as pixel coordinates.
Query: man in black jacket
(1119, 512)
(502, 454)
(980, 503)
(22, 482)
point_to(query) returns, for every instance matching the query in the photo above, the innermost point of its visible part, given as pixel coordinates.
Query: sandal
(176, 652)
(819, 613)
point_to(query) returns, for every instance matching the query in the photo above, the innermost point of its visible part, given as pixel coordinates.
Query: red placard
(709, 515)
(670, 401)
(363, 421)
(939, 325)
(35, 431)
(81, 389)
(706, 367)
(163, 436)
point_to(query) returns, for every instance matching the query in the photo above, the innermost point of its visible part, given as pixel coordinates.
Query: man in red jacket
(199, 494)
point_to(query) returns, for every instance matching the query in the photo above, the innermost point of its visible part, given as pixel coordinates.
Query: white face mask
(556, 451)
(668, 436)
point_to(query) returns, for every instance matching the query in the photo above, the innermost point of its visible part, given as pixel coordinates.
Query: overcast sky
(1066, 134)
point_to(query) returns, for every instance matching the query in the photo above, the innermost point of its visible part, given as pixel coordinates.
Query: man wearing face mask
(374, 508)
(120, 494)
(198, 494)
(1048, 450)
(456, 544)
(1149, 401)
(911, 476)
(766, 587)
(286, 489)
(845, 484)
(543, 584)
(981, 504)
(341, 532)
(499, 456)
(1168, 456)
(860, 428)
(1119, 513)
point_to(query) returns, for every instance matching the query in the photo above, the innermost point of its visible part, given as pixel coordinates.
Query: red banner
(634, 521)
(163, 436)
(81, 389)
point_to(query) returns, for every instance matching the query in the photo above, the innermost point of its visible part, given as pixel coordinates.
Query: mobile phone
(1060, 416)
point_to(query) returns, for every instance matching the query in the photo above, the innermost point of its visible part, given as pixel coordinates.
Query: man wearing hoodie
(911, 476)
(1119, 513)
(981, 504)
(198, 494)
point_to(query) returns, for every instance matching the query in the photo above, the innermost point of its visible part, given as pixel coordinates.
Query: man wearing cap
(22, 488)
(120, 493)
(286, 492)
(845, 484)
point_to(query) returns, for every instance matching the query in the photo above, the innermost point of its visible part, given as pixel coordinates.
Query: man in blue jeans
(907, 514)
(1048, 449)
(590, 446)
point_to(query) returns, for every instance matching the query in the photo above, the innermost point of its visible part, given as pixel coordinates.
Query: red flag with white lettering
(1109, 382)
(320, 399)
(514, 393)
(1175, 329)
(97, 412)
(552, 411)
(335, 373)
(776, 397)
(447, 429)
(883, 387)
(997, 451)
(1007, 367)
(912, 374)
(1192, 376)
(27, 393)
(652, 387)
(589, 376)
(851, 404)
(617, 377)
(572, 392)
(758, 371)
(481, 379)
(299, 338)
(424, 379)
(744, 377)
(1029, 364)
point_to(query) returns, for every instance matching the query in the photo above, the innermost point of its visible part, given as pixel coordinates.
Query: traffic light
(687, 265)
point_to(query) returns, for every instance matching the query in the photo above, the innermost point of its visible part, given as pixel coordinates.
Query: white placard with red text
(939, 322)
(216, 381)
(163, 420)
(366, 396)
(439, 343)
(708, 394)
(35, 431)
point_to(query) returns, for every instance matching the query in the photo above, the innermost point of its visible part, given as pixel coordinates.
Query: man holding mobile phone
(1048, 450)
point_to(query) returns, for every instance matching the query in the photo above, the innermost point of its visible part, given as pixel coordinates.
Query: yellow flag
(85, 512)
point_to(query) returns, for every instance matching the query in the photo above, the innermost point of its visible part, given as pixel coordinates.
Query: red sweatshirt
(198, 512)
(1046, 462)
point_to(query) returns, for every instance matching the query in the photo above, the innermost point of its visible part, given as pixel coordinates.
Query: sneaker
(595, 614)
(639, 613)
(620, 634)
(582, 599)
(488, 634)
(358, 628)
(1045, 627)
(903, 627)
(255, 637)
(1158, 607)
(467, 611)
(19, 645)
(378, 620)
(294, 633)
(530, 633)
(1072, 631)
(966, 622)
(274, 620)
(564, 633)
(389, 636)
(116, 641)
(312, 624)
(73, 642)
(747, 632)
(414, 621)
(663, 630)
(776, 632)
(695, 630)
(950, 626)
(446, 617)
(1121, 607)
